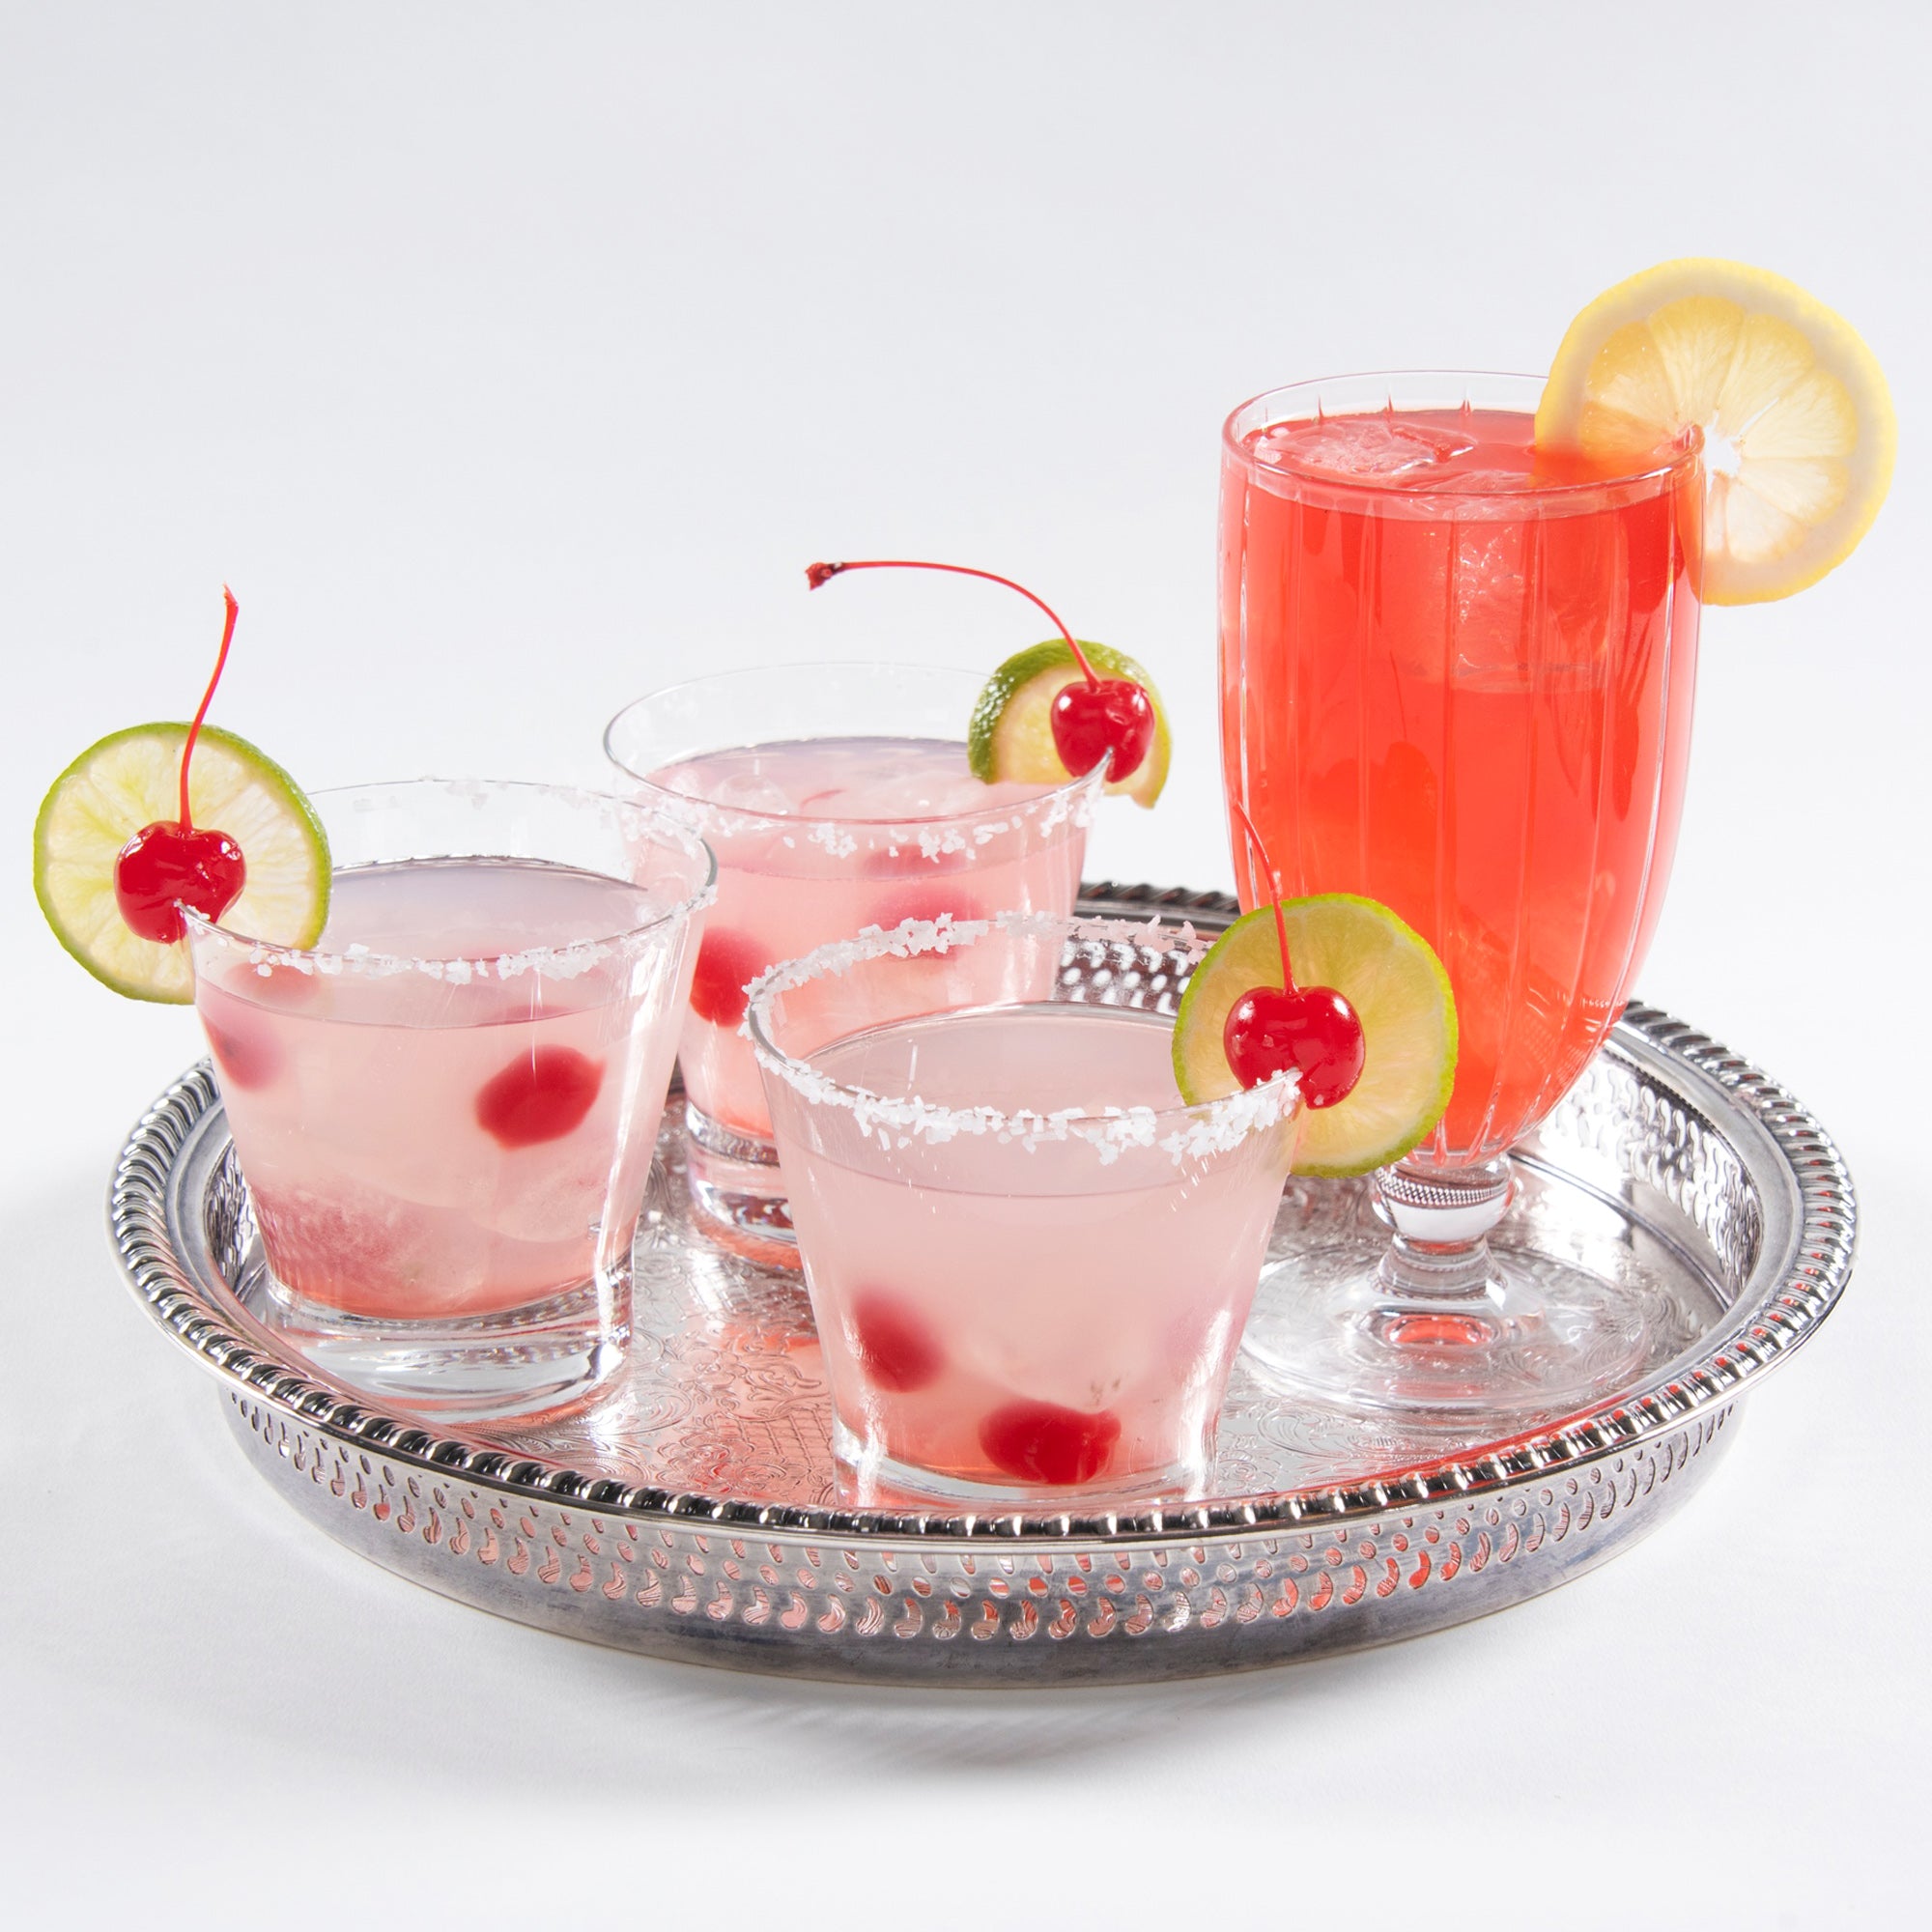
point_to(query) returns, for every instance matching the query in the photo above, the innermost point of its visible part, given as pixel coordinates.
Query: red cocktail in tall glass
(1457, 675)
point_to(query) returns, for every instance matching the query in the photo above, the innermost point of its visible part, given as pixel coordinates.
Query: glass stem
(1441, 1218)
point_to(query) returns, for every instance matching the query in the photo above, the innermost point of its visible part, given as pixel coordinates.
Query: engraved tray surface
(692, 1509)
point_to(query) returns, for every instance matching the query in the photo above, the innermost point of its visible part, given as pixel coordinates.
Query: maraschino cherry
(1106, 717)
(173, 862)
(1309, 1030)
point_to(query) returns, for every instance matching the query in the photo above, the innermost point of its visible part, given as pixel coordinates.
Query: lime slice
(1010, 736)
(1798, 425)
(1400, 992)
(133, 778)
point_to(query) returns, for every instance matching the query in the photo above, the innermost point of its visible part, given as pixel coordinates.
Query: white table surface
(511, 359)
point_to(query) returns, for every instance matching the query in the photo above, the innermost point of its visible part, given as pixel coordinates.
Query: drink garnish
(1371, 1027)
(1049, 713)
(171, 861)
(893, 1343)
(542, 1094)
(1042, 1442)
(727, 962)
(1312, 1030)
(1797, 421)
(114, 865)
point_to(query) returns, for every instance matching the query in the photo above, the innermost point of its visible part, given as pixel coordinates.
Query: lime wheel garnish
(1387, 974)
(159, 817)
(1011, 737)
(1057, 711)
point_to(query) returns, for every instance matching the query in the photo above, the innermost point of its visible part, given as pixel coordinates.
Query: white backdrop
(509, 359)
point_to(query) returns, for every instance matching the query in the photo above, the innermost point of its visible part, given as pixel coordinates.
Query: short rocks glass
(1029, 1262)
(444, 1111)
(837, 797)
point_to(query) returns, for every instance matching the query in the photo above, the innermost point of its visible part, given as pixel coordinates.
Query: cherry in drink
(445, 1110)
(837, 797)
(1029, 1262)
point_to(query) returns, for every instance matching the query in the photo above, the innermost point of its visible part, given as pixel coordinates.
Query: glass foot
(1430, 1300)
(737, 1186)
(1542, 1337)
(543, 1360)
(870, 1477)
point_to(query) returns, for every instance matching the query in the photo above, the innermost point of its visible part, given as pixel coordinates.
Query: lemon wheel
(1797, 420)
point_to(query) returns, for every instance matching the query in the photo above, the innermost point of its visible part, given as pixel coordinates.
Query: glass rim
(1666, 461)
(1073, 788)
(1197, 1127)
(531, 958)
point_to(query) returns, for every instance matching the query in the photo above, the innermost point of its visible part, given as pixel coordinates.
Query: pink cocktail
(1029, 1262)
(445, 1110)
(836, 797)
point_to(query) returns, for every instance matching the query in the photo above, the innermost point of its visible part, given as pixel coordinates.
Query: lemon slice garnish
(1798, 425)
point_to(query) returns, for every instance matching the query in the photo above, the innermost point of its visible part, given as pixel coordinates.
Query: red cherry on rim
(1110, 715)
(727, 962)
(1312, 1030)
(538, 1096)
(166, 865)
(1098, 718)
(895, 1349)
(1042, 1442)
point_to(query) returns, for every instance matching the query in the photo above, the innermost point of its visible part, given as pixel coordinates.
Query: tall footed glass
(1456, 674)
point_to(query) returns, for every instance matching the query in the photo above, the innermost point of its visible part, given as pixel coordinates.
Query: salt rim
(567, 962)
(938, 837)
(1194, 1132)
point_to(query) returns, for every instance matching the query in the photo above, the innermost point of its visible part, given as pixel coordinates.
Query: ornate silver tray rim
(1757, 1334)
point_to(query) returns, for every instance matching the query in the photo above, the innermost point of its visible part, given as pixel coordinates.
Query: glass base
(736, 1185)
(539, 1360)
(1542, 1337)
(869, 1478)
(1446, 1304)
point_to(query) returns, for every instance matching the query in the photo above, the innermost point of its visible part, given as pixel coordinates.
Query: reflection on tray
(722, 1393)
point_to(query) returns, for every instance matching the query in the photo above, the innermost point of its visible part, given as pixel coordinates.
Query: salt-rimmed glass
(1029, 1262)
(445, 1109)
(836, 796)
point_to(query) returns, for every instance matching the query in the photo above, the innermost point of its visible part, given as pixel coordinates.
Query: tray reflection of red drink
(1457, 676)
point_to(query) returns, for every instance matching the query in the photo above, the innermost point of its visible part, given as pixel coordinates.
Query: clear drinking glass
(1029, 1262)
(445, 1109)
(836, 796)
(1457, 676)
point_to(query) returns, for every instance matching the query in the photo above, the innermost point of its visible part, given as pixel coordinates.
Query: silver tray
(692, 1512)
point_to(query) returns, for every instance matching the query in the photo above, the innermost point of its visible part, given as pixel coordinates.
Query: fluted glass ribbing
(1457, 676)
(1474, 706)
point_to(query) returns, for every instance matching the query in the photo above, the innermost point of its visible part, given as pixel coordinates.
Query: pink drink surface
(1474, 706)
(847, 833)
(421, 1147)
(1054, 1318)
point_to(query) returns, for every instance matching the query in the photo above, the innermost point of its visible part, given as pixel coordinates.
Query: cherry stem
(819, 574)
(207, 699)
(1274, 879)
